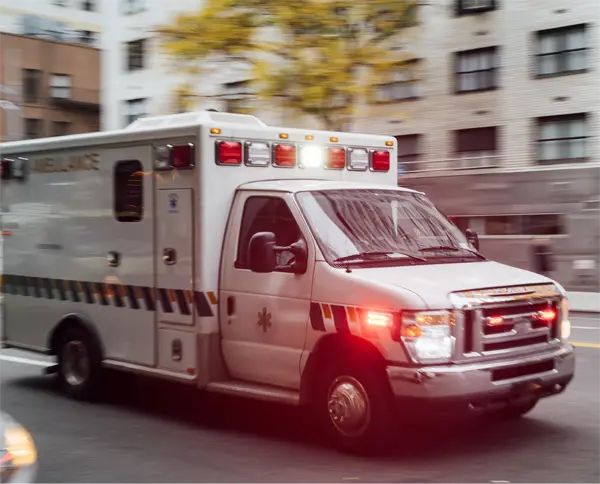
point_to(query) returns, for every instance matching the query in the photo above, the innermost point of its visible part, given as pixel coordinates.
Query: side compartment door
(113, 250)
(174, 261)
(264, 317)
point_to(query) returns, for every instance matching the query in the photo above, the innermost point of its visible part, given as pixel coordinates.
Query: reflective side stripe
(122, 296)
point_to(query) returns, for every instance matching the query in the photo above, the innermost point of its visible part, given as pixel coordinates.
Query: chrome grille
(480, 334)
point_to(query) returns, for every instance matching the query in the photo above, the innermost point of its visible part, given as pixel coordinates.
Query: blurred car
(18, 454)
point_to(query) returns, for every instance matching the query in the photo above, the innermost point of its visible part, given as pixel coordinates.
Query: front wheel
(354, 405)
(79, 364)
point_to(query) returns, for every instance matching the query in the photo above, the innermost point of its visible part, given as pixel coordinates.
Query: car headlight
(19, 449)
(565, 324)
(427, 335)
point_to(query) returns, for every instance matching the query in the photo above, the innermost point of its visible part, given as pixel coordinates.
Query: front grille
(513, 323)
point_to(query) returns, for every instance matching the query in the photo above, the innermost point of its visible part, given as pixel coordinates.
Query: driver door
(264, 317)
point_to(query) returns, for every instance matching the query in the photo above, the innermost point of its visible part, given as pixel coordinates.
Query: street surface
(160, 432)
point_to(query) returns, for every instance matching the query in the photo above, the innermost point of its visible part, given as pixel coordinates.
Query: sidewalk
(584, 302)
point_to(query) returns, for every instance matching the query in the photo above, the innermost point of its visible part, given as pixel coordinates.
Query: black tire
(375, 434)
(516, 410)
(87, 386)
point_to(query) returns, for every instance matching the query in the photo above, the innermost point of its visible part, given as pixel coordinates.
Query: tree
(316, 57)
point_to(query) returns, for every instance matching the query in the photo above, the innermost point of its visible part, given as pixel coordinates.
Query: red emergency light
(380, 161)
(284, 155)
(336, 159)
(182, 156)
(229, 153)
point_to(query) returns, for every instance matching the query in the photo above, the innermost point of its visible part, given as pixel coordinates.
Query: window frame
(89, 5)
(117, 204)
(244, 264)
(130, 118)
(494, 51)
(413, 80)
(33, 76)
(539, 122)
(563, 53)
(63, 124)
(461, 10)
(518, 220)
(415, 157)
(38, 122)
(129, 46)
(55, 86)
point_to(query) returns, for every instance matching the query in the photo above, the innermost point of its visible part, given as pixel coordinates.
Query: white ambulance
(278, 264)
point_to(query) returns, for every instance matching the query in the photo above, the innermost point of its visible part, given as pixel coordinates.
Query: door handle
(230, 305)
(169, 256)
(113, 259)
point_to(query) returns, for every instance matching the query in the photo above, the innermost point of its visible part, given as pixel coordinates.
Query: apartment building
(502, 67)
(49, 88)
(499, 123)
(73, 21)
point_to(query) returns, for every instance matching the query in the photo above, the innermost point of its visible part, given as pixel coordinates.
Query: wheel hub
(348, 406)
(76, 363)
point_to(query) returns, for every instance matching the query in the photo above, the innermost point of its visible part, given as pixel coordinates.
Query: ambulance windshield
(381, 225)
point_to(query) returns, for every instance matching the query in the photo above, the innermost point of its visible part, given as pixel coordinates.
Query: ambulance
(270, 263)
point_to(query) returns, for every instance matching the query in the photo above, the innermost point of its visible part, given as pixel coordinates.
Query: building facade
(50, 79)
(49, 88)
(73, 21)
(500, 126)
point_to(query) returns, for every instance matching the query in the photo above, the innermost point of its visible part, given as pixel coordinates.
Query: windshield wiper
(376, 254)
(452, 249)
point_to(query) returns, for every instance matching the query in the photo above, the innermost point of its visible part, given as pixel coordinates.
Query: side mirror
(301, 257)
(472, 238)
(261, 252)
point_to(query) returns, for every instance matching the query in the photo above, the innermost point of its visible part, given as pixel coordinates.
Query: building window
(476, 148)
(561, 51)
(131, 7)
(129, 191)
(88, 5)
(466, 7)
(409, 153)
(33, 128)
(562, 137)
(404, 84)
(476, 70)
(267, 214)
(60, 86)
(31, 85)
(86, 37)
(527, 225)
(136, 54)
(61, 128)
(135, 108)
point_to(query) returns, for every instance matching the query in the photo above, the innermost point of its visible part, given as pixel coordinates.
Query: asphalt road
(160, 432)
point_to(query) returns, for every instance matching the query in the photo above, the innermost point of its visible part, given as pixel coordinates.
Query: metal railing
(407, 168)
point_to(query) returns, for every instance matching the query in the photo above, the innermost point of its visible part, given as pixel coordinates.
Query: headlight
(428, 335)
(19, 448)
(565, 324)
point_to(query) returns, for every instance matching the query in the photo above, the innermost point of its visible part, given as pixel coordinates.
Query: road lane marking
(587, 345)
(584, 327)
(26, 361)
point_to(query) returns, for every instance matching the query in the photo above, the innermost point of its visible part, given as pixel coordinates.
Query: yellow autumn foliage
(315, 57)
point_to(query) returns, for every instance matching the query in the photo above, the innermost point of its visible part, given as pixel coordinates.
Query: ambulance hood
(433, 283)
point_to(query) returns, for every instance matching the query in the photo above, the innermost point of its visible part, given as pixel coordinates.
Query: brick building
(55, 85)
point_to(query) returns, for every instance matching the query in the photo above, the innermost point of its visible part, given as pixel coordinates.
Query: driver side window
(267, 214)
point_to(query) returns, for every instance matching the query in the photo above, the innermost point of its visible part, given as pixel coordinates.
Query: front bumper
(481, 385)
